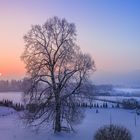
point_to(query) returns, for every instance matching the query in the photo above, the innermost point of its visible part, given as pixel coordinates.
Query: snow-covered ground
(16, 97)
(116, 94)
(12, 128)
(126, 91)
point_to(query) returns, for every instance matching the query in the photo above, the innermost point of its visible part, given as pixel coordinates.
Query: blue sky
(107, 29)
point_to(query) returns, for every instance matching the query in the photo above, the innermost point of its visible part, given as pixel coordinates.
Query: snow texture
(12, 128)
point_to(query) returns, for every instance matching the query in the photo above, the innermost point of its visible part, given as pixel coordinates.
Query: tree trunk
(58, 118)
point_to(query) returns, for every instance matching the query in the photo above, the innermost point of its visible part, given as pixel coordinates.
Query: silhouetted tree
(106, 105)
(54, 62)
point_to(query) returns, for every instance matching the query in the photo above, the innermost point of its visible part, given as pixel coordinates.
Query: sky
(109, 30)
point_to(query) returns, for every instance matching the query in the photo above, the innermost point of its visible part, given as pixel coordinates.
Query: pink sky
(107, 30)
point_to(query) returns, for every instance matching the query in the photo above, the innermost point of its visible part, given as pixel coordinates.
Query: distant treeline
(8, 103)
(19, 85)
(102, 90)
(12, 85)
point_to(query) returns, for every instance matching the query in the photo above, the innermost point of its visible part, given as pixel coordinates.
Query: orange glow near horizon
(11, 66)
(109, 32)
(10, 62)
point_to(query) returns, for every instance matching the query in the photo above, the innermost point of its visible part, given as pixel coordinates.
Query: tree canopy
(58, 74)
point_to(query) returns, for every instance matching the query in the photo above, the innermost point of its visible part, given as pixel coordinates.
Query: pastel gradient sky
(107, 29)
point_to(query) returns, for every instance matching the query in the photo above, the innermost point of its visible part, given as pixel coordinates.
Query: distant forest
(17, 86)
(12, 85)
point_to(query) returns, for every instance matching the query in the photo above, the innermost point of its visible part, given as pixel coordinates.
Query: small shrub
(97, 111)
(118, 105)
(32, 107)
(113, 132)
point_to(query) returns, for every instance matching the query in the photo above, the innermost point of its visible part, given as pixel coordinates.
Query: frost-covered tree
(58, 74)
(113, 132)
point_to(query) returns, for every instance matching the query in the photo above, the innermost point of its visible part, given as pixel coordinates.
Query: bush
(32, 108)
(113, 132)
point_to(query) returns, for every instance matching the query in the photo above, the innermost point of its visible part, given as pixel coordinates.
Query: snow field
(12, 128)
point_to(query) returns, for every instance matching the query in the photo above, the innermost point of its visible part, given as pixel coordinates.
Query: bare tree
(58, 73)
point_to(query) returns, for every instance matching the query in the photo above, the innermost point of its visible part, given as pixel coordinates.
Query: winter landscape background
(98, 35)
(13, 128)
